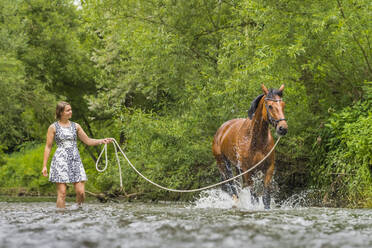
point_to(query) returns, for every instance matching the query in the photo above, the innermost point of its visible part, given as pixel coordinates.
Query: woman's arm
(48, 148)
(88, 141)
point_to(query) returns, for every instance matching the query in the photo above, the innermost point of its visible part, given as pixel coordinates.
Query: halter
(271, 119)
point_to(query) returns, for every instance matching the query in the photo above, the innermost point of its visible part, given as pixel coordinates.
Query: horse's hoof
(235, 201)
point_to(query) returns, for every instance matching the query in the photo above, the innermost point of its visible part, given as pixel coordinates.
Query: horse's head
(274, 106)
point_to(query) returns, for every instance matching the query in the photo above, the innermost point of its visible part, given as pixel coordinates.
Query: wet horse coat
(244, 142)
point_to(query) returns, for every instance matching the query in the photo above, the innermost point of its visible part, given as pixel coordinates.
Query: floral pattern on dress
(66, 166)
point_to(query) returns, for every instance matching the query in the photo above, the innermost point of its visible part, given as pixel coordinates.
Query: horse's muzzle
(282, 130)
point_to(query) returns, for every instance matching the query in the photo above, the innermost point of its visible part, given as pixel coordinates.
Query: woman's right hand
(45, 172)
(106, 140)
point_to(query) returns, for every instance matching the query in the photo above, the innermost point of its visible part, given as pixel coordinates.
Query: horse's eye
(270, 107)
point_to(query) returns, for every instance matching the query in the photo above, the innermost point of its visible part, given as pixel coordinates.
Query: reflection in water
(214, 224)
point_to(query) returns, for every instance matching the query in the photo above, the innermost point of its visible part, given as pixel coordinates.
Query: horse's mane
(254, 106)
(272, 93)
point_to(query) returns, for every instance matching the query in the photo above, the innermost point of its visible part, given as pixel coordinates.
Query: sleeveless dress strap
(57, 127)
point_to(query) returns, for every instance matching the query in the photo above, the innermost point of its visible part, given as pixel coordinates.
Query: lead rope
(116, 145)
(117, 159)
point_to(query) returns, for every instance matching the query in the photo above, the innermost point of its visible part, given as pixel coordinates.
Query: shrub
(23, 170)
(343, 159)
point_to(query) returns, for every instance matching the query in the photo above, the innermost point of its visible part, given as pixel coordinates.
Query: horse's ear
(254, 106)
(265, 90)
(281, 88)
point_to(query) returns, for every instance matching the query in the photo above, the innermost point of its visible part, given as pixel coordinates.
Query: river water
(209, 221)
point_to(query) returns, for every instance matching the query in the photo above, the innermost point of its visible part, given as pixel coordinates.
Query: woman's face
(67, 112)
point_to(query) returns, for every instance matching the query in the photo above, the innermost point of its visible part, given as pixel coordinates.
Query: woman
(66, 166)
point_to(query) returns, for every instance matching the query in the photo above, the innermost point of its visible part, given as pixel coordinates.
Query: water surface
(204, 223)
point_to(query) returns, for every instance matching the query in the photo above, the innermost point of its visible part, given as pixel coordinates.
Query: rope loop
(104, 149)
(117, 146)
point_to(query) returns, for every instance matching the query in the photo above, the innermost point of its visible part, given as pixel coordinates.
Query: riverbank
(309, 198)
(24, 196)
(24, 199)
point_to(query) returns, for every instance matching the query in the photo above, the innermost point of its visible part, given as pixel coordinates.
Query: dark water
(208, 222)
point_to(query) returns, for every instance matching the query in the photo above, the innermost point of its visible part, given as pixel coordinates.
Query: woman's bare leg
(61, 195)
(80, 192)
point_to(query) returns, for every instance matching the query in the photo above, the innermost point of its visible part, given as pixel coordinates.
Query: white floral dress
(66, 166)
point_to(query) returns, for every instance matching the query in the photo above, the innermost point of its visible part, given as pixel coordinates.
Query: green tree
(56, 56)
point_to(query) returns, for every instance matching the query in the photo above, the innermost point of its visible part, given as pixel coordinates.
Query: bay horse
(244, 142)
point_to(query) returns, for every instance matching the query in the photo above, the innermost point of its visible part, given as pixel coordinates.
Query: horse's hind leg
(230, 174)
(226, 173)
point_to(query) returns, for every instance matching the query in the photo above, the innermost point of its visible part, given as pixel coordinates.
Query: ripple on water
(198, 224)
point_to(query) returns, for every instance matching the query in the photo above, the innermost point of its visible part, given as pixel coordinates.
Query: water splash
(298, 200)
(219, 199)
(216, 198)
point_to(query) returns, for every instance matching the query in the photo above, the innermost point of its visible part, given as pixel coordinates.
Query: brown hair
(60, 108)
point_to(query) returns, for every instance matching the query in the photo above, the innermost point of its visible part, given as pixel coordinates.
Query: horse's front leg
(267, 186)
(248, 182)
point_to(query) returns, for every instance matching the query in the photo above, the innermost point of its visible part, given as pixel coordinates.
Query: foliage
(23, 169)
(161, 76)
(342, 166)
(170, 151)
(25, 108)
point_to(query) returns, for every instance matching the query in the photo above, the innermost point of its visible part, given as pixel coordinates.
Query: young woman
(66, 166)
